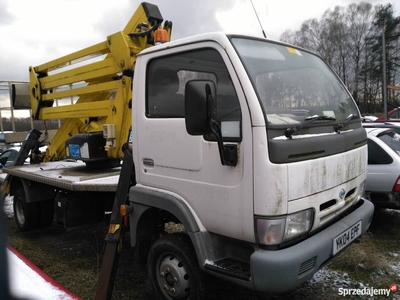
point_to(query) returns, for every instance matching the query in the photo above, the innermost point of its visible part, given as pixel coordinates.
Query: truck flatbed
(69, 175)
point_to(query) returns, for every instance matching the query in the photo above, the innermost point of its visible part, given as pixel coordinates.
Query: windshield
(292, 84)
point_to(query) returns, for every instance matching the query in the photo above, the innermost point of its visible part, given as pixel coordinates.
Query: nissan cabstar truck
(254, 148)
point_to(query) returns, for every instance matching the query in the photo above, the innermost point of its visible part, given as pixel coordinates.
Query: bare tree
(359, 18)
(347, 38)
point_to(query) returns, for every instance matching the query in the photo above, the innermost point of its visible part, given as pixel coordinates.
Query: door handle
(148, 162)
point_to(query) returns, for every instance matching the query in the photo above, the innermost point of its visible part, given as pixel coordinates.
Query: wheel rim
(19, 212)
(173, 277)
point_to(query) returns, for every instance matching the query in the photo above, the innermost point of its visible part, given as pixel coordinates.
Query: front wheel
(174, 270)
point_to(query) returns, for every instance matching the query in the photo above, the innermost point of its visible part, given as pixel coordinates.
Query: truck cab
(243, 158)
(257, 149)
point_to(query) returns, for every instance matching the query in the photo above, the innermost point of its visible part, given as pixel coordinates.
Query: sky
(34, 32)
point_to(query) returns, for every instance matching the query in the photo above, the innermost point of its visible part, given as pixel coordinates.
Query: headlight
(277, 230)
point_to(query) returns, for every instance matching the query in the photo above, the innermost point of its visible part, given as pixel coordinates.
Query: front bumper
(282, 270)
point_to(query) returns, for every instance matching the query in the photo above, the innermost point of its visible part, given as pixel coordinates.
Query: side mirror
(200, 110)
(197, 106)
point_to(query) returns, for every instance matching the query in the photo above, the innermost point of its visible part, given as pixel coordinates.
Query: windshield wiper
(339, 126)
(289, 131)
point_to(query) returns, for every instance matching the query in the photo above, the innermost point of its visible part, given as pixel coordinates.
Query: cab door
(187, 166)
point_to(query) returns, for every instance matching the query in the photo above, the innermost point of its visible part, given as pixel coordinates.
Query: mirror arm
(227, 153)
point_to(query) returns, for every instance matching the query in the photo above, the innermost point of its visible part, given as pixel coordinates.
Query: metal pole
(11, 107)
(384, 90)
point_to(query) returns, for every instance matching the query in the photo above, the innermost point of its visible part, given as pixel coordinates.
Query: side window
(167, 77)
(394, 116)
(376, 155)
(163, 99)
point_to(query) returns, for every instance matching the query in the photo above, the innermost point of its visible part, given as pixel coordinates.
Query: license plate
(346, 237)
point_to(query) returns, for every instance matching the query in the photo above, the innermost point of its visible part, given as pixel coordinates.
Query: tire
(26, 214)
(174, 270)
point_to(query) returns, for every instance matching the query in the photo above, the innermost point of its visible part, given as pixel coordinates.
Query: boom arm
(100, 91)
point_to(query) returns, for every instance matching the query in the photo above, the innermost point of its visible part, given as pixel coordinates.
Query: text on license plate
(345, 238)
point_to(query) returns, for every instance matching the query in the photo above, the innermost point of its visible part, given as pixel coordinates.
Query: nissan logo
(342, 193)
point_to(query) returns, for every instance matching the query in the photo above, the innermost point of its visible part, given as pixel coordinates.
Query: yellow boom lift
(97, 123)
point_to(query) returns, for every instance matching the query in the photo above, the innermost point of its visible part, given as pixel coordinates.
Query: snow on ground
(335, 278)
(8, 206)
(26, 283)
(341, 282)
(26, 280)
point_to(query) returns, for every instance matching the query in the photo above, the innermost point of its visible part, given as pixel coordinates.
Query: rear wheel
(174, 270)
(26, 214)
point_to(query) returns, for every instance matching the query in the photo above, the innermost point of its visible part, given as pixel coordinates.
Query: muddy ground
(73, 258)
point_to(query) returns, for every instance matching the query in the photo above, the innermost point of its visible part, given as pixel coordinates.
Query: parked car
(392, 116)
(368, 119)
(394, 126)
(383, 178)
(8, 156)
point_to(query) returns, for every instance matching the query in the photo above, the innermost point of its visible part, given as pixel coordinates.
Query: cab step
(230, 267)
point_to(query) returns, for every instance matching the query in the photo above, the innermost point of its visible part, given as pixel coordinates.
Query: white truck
(253, 146)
